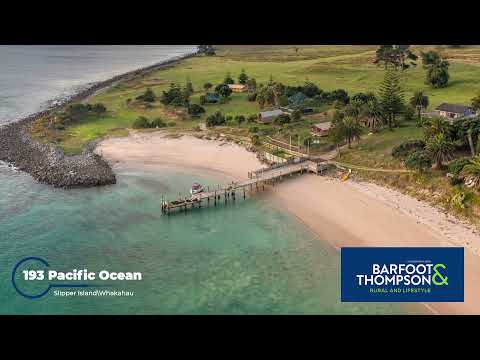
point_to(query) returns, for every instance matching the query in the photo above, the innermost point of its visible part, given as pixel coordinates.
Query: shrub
(141, 123)
(99, 108)
(223, 90)
(254, 129)
(252, 97)
(456, 166)
(148, 96)
(215, 119)
(409, 113)
(195, 110)
(239, 119)
(407, 147)
(455, 180)
(251, 118)
(203, 100)
(228, 118)
(255, 139)
(418, 160)
(282, 119)
(157, 123)
(171, 123)
(223, 100)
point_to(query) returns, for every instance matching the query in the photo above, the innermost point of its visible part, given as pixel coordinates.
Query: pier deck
(256, 181)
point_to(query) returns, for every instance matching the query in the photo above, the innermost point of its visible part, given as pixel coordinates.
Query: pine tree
(391, 96)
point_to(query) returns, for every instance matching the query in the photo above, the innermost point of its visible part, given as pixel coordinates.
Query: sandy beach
(343, 213)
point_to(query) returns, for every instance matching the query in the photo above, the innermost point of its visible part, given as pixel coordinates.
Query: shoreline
(46, 163)
(341, 213)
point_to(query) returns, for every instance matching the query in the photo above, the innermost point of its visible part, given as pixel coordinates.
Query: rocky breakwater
(49, 165)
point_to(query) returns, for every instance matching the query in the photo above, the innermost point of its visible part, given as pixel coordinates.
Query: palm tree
(419, 101)
(372, 113)
(471, 172)
(351, 130)
(435, 126)
(439, 149)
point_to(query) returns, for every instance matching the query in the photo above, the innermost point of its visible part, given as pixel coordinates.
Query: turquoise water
(243, 258)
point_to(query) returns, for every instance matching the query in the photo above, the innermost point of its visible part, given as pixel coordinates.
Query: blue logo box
(402, 274)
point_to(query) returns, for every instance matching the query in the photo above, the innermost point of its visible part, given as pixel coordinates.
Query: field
(330, 67)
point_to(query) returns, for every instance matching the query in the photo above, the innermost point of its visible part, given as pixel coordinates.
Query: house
(237, 87)
(268, 117)
(321, 129)
(454, 111)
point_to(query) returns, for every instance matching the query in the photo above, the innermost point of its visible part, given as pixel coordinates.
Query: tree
(148, 96)
(372, 113)
(195, 110)
(207, 86)
(282, 119)
(215, 119)
(252, 85)
(310, 89)
(471, 172)
(175, 96)
(437, 69)
(223, 90)
(228, 79)
(266, 95)
(468, 131)
(439, 149)
(476, 103)
(391, 96)
(419, 101)
(418, 160)
(396, 56)
(243, 77)
(206, 49)
(435, 126)
(99, 109)
(351, 130)
(189, 87)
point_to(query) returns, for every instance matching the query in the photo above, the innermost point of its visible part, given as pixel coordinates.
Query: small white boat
(196, 188)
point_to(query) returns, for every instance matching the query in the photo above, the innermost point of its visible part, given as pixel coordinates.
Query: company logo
(402, 274)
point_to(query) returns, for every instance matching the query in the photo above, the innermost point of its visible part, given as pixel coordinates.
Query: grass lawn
(329, 66)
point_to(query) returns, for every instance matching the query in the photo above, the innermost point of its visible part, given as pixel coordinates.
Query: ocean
(248, 258)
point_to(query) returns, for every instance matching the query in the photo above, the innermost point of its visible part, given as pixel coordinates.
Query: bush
(457, 165)
(418, 160)
(255, 139)
(409, 113)
(215, 119)
(282, 119)
(99, 108)
(251, 118)
(171, 123)
(254, 129)
(404, 149)
(141, 123)
(228, 118)
(239, 119)
(455, 180)
(252, 96)
(203, 100)
(148, 96)
(157, 123)
(195, 110)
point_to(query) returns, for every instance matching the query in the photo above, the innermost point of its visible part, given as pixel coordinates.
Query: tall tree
(391, 96)
(419, 101)
(351, 130)
(372, 113)
(396, 56)
(440, 149)
(243, 77)
(228, 79)
(251, 85)
(437, 69)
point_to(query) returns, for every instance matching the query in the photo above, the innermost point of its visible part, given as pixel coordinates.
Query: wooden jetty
(256, 182)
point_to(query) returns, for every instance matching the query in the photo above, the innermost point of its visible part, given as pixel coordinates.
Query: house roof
(236, 86)
(272, 113)
(453, 108)
(323, 126)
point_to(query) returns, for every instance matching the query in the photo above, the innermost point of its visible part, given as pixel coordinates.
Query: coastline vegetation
(374, 96)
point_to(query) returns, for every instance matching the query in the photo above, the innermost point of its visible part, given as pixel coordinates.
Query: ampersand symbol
(437, 274)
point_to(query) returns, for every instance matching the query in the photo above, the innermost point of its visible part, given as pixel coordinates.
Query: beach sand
(343, 213)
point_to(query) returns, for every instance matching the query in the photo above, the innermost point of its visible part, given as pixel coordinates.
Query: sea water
(246, 257)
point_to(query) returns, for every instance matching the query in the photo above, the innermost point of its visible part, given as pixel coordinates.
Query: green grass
(330, 67)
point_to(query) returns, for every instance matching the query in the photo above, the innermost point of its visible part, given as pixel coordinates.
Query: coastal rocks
(49, 165)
